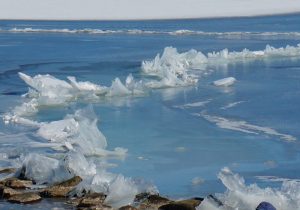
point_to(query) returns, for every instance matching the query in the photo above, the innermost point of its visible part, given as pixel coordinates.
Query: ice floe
(225, 82)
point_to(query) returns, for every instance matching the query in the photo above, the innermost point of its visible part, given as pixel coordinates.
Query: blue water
(167, 145)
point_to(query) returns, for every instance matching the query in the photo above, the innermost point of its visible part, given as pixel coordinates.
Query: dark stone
(156, 199)
(6, 192)
(93, 199)
(176, 206)
(7, 171)
(142, 196)
(98, 207)
(25, 198)
(70, 182)
(153, 202)
(265, 206)
(17, 183)
(190, 204)
(128, 208)
(61, 189)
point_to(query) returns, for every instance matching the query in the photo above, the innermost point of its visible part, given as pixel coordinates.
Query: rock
(93, 199)
(98, 207)
(70, 182)
(28, 197)
(17, 183)
(142, 196)
(156, 199)
(6, 192)
(74, 201)
(190, 204)
(265, 206)
(128, 208)
(153, 202)
(176, 206)
(61, 189)
(7, 171)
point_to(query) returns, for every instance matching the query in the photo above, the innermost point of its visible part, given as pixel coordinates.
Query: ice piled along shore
(76, 139)
(240, 196)
(76, 142)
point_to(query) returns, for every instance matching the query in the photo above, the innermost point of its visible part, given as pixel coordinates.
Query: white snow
(141, 9)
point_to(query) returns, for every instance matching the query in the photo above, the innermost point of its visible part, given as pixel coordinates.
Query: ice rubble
(180, 32)
(241, 196)
(171, 69)
(46, 90)
(80, 138)
(76, 132)
(178, 69)
(119, 189)
(178, 63)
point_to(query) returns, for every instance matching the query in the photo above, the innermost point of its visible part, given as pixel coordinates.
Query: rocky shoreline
(15, 188)
(22, 191)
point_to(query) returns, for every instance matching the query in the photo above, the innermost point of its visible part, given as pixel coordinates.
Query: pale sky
(141, 9)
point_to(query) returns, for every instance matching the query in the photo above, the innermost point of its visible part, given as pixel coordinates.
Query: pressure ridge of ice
(76, 137)
(171, 69)
(179, 32)
(241, 196)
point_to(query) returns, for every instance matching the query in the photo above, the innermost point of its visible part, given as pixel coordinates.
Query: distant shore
(142, 9)
(153, 19)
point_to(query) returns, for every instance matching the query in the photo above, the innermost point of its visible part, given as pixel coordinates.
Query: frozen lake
(178, 135)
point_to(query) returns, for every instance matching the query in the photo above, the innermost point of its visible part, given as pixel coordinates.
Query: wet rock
(93, 199)
(265, 206)
(153, 202)
(7, 171)
(128, 208)
(97, 207)
(190, 204)
(25, 198)
(141, 197)
(61, 189)
(74, 201)
(17, 183)
(6, 192)
(156, 199)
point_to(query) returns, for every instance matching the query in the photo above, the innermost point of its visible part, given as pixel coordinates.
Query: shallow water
(171, 138)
